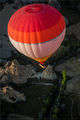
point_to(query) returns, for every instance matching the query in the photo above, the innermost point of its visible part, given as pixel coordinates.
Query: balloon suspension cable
(41, 64)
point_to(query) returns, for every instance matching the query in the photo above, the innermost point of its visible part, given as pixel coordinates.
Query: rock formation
(47, 74)
(15, 73)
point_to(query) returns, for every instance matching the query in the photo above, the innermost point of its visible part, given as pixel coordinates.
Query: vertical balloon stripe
(39, 45)
(26, 26)
(35, 49)
(31, 47)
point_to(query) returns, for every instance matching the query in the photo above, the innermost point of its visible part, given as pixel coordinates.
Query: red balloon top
(34, 8)
(40, 18)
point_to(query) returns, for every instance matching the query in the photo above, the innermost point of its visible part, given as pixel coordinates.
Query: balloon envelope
(37, 31)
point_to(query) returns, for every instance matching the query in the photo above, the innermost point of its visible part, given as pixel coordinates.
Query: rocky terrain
(26, 77)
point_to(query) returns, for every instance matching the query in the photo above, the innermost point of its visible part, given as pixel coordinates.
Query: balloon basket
(42, 66)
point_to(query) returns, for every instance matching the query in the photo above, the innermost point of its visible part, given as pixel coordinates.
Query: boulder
(48, 73)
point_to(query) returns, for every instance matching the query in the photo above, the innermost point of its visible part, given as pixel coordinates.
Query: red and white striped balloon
(37, 31)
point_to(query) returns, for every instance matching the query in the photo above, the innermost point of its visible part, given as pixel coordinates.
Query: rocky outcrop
(15, 73)
(10, 95)
(47, 74)
(19, 73)
(73, 88)
(75, 29)
(3, 77)
(72, 67)
(73, 85)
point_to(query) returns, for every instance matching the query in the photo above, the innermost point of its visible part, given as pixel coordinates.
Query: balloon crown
(34, 8)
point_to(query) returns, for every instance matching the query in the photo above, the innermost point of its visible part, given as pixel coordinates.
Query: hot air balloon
(37, 31)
